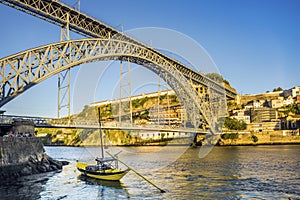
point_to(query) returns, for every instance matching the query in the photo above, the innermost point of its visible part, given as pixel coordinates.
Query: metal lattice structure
(26, 69)
(21, 71)
(60, 14)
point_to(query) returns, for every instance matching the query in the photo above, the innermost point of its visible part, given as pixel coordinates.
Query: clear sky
(255, 44)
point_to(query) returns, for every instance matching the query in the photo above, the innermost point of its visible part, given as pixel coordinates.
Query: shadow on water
(92, 181)
(27, 187)
(105, 189)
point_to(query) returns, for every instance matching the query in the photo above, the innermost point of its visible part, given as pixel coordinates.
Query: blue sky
(255, 44)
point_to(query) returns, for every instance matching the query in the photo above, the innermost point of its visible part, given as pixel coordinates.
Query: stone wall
(274, 137)
(14, 150)
(24, 156)
(23, 126)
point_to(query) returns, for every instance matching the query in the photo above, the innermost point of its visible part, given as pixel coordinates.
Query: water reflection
(106, 189)
(261, 172)
(92, 181)
(28, 187)
(210, 178)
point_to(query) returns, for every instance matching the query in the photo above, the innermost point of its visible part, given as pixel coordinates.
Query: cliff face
(24, 156)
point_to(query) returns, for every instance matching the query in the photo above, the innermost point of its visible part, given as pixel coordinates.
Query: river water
(247, 172)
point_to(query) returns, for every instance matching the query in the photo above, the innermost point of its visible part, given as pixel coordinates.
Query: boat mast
(101, 140)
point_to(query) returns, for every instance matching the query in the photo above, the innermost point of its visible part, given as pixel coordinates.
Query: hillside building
(255, 104)
(293, 92)
(265, 126)
(242, 115)
(291, 122)
(276, 103)
(154, 135)
(263, 114)
(288, 101)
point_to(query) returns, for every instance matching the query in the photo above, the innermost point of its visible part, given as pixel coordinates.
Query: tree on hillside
(293, 108)
(234, 124)
(277, 89)
(215, 77)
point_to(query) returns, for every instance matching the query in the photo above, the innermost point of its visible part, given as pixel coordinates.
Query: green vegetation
(254, 138)
(121, 137)
(217, 77)
(138, 103)
(140, 108)
(230, 136)
(293, 108)
(232, 105)
(78, 137)
(234, 124)
(70, 137)
(277, 89)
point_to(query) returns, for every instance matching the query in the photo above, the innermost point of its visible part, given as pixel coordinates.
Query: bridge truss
(26, 69)
(60, 14)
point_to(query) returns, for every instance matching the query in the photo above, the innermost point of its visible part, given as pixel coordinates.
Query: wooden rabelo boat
(105, 168)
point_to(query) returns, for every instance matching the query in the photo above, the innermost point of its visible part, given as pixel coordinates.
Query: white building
(244, 118)
(293, 92)
(254, 104)
(288, 101)
(276, 103)
(241, 115)
(154, 135)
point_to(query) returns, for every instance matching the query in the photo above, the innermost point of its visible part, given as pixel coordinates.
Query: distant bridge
(40, 122)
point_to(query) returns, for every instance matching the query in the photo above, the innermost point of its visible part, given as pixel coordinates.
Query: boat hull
(108, 175)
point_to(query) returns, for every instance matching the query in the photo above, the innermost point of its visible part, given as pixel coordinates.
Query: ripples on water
(254, 172)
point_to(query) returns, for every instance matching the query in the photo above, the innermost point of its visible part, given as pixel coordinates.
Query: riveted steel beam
(26, 69)
(58, 13)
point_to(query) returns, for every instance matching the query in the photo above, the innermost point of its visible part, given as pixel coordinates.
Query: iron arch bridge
(21, 71)
(65, 16)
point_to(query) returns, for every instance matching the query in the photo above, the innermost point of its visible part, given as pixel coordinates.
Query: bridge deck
(128, 127)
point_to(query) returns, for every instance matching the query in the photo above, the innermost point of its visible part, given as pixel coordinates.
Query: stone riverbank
(259, 138)
(21, 156)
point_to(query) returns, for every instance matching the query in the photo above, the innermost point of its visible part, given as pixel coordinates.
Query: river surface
(248, 172)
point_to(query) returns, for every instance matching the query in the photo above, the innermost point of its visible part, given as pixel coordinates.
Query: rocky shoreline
(33, 166)
(25, 156)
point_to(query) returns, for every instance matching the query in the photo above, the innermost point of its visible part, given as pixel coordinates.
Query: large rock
(25, 156)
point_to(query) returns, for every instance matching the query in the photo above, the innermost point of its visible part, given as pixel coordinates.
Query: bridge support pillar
(64, 77)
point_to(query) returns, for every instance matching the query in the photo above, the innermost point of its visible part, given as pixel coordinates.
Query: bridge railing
(10, 119)
(6, 120)
(94, 124)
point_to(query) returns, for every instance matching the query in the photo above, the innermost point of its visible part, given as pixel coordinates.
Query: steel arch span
(21, 71)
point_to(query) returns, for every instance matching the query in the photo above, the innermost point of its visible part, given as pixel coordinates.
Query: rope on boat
(129, 167)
